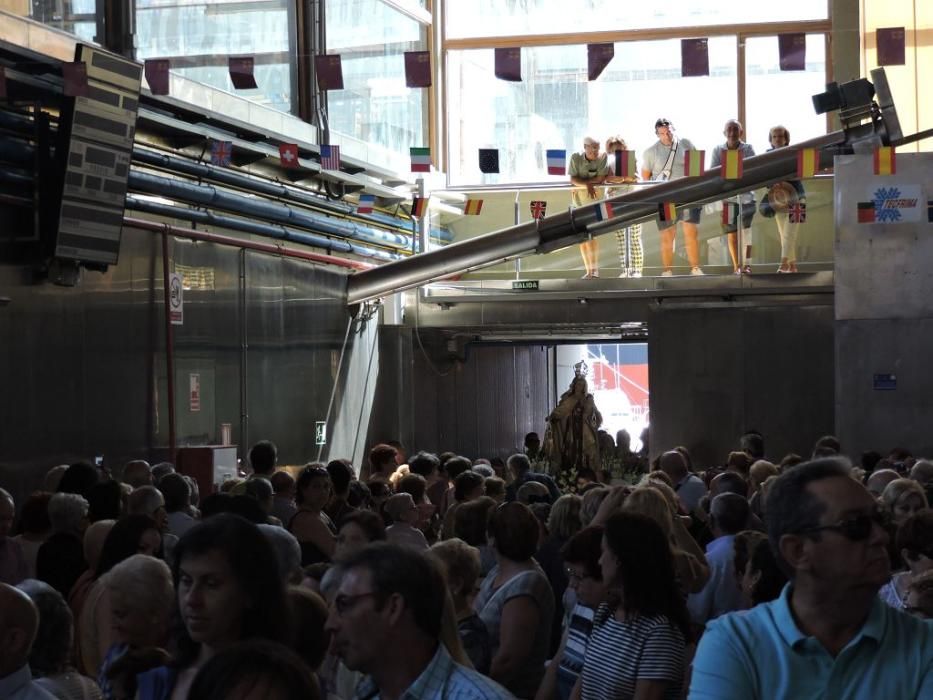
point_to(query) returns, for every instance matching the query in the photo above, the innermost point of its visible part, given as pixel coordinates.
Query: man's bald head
(674, 465)
(19, 622)
(137, 473)
(879, 479)
(922, 471)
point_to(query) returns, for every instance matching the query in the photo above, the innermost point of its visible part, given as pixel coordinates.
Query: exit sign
(525, 285)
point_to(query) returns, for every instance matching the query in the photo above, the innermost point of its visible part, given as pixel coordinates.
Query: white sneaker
(667, 273)
(636, 273)
(697, 271)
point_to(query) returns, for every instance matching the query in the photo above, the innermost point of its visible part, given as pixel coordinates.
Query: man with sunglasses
(385, 621)
(828, 635)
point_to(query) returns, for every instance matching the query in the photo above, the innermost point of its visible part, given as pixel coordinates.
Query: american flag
(330, 157)
(797, 213)
(221, 152)
(538, 207)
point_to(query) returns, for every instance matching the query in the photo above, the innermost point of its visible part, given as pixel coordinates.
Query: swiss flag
(288, 155)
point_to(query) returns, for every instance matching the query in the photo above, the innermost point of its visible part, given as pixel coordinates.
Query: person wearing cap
(665, 161)
(404, 513)
(588, 169)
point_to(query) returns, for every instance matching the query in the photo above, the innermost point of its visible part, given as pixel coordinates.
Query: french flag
(604, 211)
(556, 162)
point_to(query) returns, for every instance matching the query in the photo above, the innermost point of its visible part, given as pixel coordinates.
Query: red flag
(417, 69)
(891, 46)
(157, 75)
(288, 155)
(329, 71)
(75, 79)
(509, 64)
(241, 72)
(538, 208)
(694, 57)
(598, 57)
(866, 212)
(792, 51)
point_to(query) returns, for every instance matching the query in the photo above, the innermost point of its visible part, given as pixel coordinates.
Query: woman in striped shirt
(636, 648)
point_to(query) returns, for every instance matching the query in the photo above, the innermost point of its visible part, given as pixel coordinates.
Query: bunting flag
(866, 212)
(885, 162)
(489, 160)
(418, 69)
(556, 161)
(667, 212)
(473, 207)
(330, 157)
(156, 70)
(419, 206)
(420, 159)
(694, 163)
(74, 76)
(241, 72)
(329, 71)
(731, 167)
(797, 212)
(605, 211)
(730, 213)
(891, 46)
(598, 57)
(792, 51)
(808, 162)
(623, 164)
(694, 57)
(538, 208)
(365, 204)
(288, 155)
(3, 92)
(221, 152)
(509, 64)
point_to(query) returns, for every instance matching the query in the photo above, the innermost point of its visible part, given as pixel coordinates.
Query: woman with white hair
(141, 595)
(50, 658)
(60, 560)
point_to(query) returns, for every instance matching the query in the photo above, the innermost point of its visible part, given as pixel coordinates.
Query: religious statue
(571, 441)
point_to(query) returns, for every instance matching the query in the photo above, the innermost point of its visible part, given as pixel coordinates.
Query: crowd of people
(665, 160)
(441, 576)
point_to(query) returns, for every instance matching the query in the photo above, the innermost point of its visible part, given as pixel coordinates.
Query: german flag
(419, 207)
(885, 163)
(694, 163)
(808, 162)
(731, 165)
(866, 212)
(667, 212)
(473, 207)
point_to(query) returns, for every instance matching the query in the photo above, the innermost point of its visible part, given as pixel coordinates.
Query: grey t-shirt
(656, 156)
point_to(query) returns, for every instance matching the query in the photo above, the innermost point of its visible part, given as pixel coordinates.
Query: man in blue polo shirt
(828, 635)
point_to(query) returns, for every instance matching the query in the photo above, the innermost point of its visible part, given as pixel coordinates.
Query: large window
(199, 36)
(555, 106)
(376, 117)
(487, 18)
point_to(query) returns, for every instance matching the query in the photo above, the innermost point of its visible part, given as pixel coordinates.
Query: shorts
(748, 213)
(691, 216)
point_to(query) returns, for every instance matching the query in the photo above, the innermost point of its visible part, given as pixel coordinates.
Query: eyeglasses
(856, 529)
(344, 603)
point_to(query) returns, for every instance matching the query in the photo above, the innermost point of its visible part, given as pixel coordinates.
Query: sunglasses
(856, 529)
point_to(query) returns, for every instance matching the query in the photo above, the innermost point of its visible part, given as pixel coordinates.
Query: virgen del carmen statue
(570, 441)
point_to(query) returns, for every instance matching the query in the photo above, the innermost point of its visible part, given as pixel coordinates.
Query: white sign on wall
(176, 299)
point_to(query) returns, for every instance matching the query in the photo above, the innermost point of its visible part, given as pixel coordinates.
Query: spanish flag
(667, 212)
(694, 163)
(731, 165)
(419, 207)
(473, 207)
(808, 162)
(885, 163)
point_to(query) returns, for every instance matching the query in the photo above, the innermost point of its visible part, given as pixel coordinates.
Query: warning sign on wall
(176, 299)
(194, 392)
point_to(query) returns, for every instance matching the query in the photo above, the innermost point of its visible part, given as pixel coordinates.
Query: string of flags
(365, 204)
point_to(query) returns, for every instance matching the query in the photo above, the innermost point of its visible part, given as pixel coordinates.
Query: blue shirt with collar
(442, 679)
(19, 686)
(762, 654)
(721, 593)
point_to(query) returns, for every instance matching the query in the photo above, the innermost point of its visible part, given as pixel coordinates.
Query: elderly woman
(60, 560)
(515, 602)
(903, 498)
(140, 595)
(471, 526)
(914, 542)
(632, 265)
(50, 658)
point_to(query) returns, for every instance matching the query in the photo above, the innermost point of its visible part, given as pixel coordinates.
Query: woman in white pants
(776, 202)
